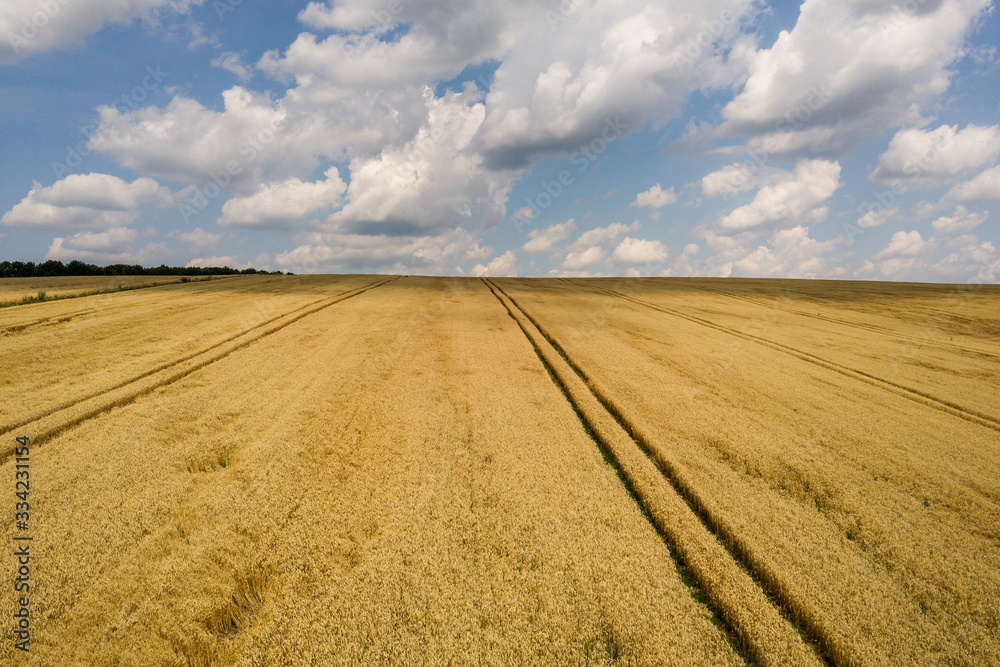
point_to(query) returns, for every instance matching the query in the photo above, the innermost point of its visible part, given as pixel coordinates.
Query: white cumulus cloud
(85, 201)
(323, 252)
(791, 253)
(197, 237)
(280, 205)
(583, 259)
(732, 178)
(932, 157)
(29, 26)
(877, 216)
(111, 246)
(215, 260)
(655, 197)
(231, 62)
(904, 243)
(604, 72)
(544, 240)
(430, 183)
(503, 266)
(847, 71)
(633, 251)
(984, 187)
(796, 197)
(961, 220)
(601, 235)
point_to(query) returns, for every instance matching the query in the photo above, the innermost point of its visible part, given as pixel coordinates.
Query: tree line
(53, 268)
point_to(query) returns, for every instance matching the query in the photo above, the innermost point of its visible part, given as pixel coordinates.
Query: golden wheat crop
(867, 503)
(57, 354)
(18, 290)
(372, 470)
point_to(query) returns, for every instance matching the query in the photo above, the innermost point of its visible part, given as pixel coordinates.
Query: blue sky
(853, 139)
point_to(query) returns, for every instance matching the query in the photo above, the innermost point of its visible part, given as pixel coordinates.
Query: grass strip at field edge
(29, 301)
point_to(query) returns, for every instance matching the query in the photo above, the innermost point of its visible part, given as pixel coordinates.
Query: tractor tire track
(858, 325)
(915, 395)
(257, 567)
(75, 412)
(13, 329)
(756, 619)
(7, 428)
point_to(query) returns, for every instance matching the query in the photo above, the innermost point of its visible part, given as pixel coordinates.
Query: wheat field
(385, 470)
(15, 291)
